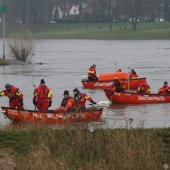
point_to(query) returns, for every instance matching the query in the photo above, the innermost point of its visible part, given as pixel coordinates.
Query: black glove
(93, 102)
(34, 102)
(49, 103)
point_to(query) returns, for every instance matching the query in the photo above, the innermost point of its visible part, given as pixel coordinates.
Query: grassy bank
(155, 30)
(74, 149)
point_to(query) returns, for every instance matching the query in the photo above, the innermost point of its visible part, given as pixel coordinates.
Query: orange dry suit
(66, 105)
(80, 101)
(164, 90)
(15, 97)
(42, 98)
(144, 88)
(92, 74)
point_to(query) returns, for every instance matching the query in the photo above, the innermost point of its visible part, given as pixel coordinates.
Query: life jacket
(92, 72)
(12, 94)
(67, 102)
(144, 89)
(43, 92)
(164, 90)
(80, 99)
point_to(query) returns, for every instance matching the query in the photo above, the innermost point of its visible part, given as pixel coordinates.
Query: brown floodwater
(65, 61)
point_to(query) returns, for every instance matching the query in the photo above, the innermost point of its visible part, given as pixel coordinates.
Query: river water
(67, 60)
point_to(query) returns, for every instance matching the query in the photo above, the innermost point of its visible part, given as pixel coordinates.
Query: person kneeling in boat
(66, 104)
(92, 73)
(118, 86)
(14, 95)
(42, 97)
(133, 74)
(144, 88)
(80, 100)
(165, 89)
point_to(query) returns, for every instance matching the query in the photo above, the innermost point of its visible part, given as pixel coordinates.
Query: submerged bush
(21, 46)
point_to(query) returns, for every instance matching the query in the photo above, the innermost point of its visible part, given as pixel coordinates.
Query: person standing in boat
(80, 100)
(14, 95)
(118, 86)
(66, 104)
(92, 73)
(165, 89)
(133, 74)
(119, 70)
(42, 97)
(144, 88)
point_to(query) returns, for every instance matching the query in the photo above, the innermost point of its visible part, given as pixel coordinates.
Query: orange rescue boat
(106, 81)
(18, 116)
(136, 98)
(107, 84)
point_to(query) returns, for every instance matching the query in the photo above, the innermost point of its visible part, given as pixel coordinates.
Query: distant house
(71, 12)
(74, 10)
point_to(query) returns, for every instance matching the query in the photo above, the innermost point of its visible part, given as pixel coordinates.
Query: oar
(34, 90)
(104, 103)
(101, 104)
(128, 78)
(115, 64)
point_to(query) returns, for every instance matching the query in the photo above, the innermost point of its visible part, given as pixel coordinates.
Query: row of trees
(45, 11)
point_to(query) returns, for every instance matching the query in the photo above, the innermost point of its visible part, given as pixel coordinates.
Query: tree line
(48, 11)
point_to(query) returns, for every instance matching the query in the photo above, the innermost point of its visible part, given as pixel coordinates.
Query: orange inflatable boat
(112, 76)
(18, 116)
(106, 81)
(136, 98)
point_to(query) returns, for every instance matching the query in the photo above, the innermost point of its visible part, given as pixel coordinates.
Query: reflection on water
(67, 60)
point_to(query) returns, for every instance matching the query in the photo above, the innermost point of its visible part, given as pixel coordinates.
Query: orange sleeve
(88, 98)
(69, 104)
(60, 109)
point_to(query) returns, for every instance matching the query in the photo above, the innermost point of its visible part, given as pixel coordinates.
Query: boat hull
(133, 84)
(50, 117)
(136, 98)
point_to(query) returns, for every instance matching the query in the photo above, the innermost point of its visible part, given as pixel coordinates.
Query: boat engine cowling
(84, 78)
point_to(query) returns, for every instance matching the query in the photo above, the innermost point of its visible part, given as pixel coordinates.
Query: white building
(74, 10)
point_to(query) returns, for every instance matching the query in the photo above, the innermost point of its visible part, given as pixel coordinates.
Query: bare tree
(21, 46)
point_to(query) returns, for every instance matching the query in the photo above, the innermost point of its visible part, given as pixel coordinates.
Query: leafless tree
(21, 46)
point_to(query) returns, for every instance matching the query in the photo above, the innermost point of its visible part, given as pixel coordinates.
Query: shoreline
(96, 31)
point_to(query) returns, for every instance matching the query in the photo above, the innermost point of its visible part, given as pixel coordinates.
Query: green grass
(79, 149)
(149, 30)
(18, 141)
(3, 62)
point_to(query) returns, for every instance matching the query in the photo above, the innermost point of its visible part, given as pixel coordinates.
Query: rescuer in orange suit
(92, 73)
(14, 95)
(118, 86)
(80, 100)
(66, 104)
(165, 89)
(144, 88)
(42, 97)
(133, 74)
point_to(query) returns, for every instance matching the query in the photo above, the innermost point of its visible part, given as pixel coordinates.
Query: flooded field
(65, 61)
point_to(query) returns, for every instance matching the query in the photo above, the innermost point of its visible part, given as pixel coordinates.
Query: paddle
(34, 90)
(128, 78)
(102, 104)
